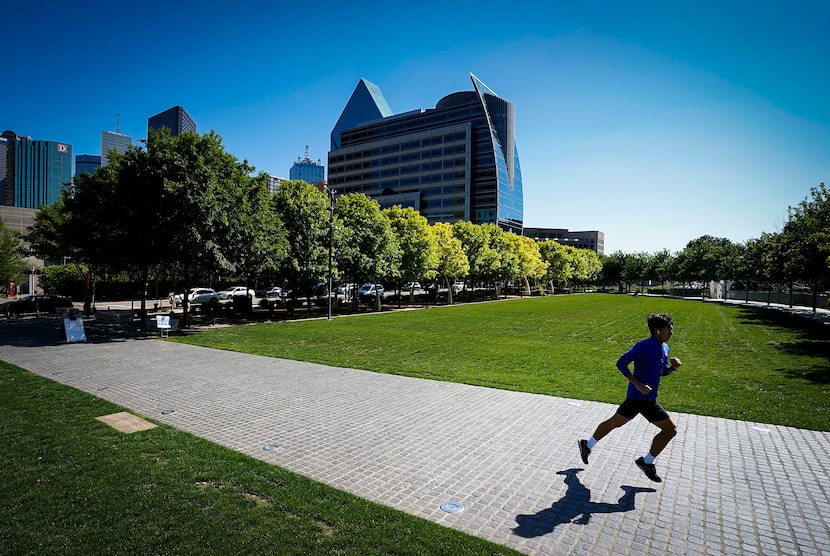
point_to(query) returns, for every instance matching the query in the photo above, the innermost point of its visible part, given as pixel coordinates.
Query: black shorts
(649, 409)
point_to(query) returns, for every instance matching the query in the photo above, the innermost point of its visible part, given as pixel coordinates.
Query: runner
(651, 362)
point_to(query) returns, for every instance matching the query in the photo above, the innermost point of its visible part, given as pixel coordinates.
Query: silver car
(198, 296)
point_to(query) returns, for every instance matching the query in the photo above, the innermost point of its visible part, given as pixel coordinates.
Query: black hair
(658, 320)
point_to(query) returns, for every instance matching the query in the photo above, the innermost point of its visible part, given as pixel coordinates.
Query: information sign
(72, 328)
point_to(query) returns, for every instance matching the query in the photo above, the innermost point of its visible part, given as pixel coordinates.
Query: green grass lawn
(70, 484)
(738, 362)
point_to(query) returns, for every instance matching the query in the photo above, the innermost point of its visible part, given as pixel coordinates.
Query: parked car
(198, 296)
(38, 303)
(276, 291)
(458, 287)
(368, 292)
(236, 290)
(409, 286)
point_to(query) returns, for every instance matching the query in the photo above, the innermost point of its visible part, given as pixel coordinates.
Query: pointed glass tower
(457, 161)
(367, 103)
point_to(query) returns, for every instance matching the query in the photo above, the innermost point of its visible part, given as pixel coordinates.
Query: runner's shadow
(574, 507)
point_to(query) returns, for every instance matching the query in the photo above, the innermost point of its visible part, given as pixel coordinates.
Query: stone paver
(511, 460)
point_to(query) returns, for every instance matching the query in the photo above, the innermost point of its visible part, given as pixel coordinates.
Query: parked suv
(368, 292)
(236, 290)
(198, 296)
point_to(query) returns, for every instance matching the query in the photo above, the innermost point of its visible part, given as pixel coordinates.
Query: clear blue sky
(654, 122)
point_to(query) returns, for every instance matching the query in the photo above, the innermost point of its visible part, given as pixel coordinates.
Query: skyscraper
(457, 161)
(4, 165)
(176, 119)
(36, 170)
(112, 140)
(86, 163)
(307, 170)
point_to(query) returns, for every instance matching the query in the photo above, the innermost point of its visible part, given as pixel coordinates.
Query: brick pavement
(731, 487)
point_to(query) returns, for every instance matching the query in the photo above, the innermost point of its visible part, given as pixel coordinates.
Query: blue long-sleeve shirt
(651, 361)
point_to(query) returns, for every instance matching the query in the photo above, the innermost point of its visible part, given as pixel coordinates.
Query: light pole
(331, 240)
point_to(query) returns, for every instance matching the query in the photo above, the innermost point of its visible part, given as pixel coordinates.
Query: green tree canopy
(183, 205)
(481, 247)
(559, 270)
(366, 247)
(304, 210)
(529, 264)
(12, 263)
(452, 261)
(805, 239)
(419, 249)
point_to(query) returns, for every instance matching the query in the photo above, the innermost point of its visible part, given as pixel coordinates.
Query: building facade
(36, 170)
(4, 165)
(274, 183)
(457, 161)
(86, 163)
(593, 240)
(176, 119)
(307, 170)
(113, 141)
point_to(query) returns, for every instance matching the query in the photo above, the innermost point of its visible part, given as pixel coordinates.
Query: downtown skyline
(653, 124)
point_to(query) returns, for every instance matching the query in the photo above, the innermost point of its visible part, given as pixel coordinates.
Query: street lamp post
(331, 241)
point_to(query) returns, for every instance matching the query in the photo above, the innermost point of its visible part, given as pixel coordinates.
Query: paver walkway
(510, 459)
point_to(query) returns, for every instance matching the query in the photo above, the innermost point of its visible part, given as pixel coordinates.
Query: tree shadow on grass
(574, 507)
(812, 338)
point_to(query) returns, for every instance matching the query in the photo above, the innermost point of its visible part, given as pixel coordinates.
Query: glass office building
(113, 141)
(176, 119)
(457, 161)
(36, 171)
(307, 170)
(86, 163)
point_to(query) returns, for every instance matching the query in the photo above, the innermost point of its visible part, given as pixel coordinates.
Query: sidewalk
(510, 459)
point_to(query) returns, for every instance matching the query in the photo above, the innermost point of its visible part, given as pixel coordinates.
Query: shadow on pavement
(46, 331)
(574, 507)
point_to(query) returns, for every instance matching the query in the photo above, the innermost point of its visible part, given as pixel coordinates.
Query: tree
(613, 269)
(559, 270)
(305, 215)
(635, 268)
(183, 206)
(711, 259)
(47, 238)
(484, 260)
(366, 247)
(806, 239)
(659, 268)
(587, 266)
(63, 279)
(12, 263)
(529, 261)
(257, 235)
(753, 264)
(419, 247)
(452, 261)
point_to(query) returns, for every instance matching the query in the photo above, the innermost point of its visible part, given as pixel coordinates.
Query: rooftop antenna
(118, 123)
